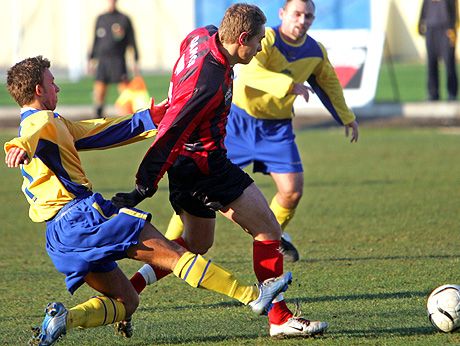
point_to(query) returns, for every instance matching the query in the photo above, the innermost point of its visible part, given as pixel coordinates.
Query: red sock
(267, 259)
(279, 313)
(268, 263)
(138, 280)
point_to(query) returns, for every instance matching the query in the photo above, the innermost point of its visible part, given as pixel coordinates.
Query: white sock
(148, 274)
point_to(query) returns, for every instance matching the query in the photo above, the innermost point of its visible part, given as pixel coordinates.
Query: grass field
(378, 229)
(399, 83)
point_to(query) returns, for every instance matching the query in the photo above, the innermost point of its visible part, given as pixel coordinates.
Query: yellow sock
(97, 311)
(175, 227)
(283, 215)
(199, 272)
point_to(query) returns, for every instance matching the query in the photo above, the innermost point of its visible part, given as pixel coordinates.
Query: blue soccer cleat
(269, 290)
(53, 325)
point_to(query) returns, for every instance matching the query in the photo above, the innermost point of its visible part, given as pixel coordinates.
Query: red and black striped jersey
(200, 96)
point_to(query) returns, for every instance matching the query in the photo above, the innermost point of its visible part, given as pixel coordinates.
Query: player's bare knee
(200, 248)
(131, 303)
(291, 198)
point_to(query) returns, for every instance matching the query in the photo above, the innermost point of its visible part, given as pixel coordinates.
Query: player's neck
(230, 51)
(291, 40)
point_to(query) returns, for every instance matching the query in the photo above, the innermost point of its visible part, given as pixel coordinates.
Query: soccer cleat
(53, 325)
(268, 290)
(288, 249)
(124, 328)
(298, 327)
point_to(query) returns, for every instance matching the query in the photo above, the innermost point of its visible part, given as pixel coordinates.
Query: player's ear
(38, 89)
(243, 38)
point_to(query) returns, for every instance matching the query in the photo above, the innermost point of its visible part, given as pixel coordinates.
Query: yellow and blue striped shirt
(262, 87)
(55, 175)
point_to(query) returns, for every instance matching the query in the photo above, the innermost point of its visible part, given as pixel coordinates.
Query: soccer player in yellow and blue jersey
(86, 234)
(259, 128)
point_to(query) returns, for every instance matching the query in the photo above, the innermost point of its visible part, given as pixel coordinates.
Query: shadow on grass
(377, 258)
(367, 296)
(379, 333)
(170, 339)
(231, 304)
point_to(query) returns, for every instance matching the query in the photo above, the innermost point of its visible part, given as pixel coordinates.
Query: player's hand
(452, 35)
(15, 157)
(157, 112)
(91, 67)
(301, 89)
(127, 199)
(354, 131)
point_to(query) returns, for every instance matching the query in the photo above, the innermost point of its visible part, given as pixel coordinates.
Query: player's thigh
(252, 212)
(153, 248)
(198, 232)
(114, 284)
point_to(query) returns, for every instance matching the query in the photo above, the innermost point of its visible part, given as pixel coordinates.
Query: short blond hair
(241, 18)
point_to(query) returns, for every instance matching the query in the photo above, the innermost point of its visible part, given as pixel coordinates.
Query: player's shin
(148, 275)
(283, 215)
(268, 262)
(200, 272)
(97, 311)
(175, 227)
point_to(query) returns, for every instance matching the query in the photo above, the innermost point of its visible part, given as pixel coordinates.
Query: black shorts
(111, 70)
(202, 194)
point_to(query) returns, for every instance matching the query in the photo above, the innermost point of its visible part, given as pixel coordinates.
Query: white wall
(62, 30)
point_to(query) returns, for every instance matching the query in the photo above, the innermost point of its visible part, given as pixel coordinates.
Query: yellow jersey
(262, 88)
(54, 176)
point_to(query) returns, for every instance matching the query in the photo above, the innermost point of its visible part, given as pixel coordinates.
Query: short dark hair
(23, 77)
(310, 1)
(241, 18)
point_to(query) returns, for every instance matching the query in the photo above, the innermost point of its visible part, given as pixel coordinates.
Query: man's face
(296, 19)
(48, 91)
(251, 47)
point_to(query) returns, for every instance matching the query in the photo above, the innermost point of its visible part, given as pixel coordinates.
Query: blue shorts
(89, 235)
(270, 144)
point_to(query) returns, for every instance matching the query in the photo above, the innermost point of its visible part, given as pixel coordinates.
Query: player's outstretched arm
(354, 131)
(128, 199)
(15, 157)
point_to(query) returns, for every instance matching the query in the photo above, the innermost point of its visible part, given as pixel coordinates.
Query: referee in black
(114, 34)
(438, 23)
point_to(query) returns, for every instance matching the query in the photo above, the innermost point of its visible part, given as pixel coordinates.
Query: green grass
(399, 83)
(377, 228)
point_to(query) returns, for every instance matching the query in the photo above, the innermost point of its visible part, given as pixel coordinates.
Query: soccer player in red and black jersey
(190, 147)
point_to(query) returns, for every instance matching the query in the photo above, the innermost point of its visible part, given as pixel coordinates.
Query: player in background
(190, 147)
(259, 128)
(86, 234)
(114, 33)
(438, 23)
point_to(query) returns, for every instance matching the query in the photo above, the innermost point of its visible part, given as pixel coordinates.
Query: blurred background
(63, 32)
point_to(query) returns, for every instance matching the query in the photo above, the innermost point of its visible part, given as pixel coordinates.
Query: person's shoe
(124, 328)
(452, 98)
(288, 249)
(268, 290)
(53, 325)
(298, 327)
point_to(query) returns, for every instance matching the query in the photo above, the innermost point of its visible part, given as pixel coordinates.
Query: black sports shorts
(202, 194)
(111, 70)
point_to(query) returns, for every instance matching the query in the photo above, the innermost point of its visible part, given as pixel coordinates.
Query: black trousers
(440, 46)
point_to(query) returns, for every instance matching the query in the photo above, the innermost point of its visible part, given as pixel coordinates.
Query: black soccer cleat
(288, 249)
